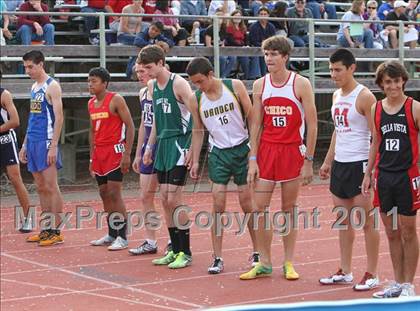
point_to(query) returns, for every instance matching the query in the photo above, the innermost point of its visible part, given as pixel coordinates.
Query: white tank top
(224, 120)
(351, 128)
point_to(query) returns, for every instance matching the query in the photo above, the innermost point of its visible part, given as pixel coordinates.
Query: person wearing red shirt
(92, 21)
(34, 27)
(149, 7)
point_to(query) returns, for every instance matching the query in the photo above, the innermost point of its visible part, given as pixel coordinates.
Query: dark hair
(393, 69)
(101, 73)
(199, 65)
(343, 55)
(35, 56)
(151, 54)
(277, 43)
(158, 25)
(162, 5)
(264, 8)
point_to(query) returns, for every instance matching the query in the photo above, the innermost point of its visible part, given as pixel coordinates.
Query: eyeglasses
(372, 7)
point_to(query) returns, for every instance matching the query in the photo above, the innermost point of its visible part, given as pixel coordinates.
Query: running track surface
(76, 276)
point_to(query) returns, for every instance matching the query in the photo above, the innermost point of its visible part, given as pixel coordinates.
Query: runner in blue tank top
(40, 148)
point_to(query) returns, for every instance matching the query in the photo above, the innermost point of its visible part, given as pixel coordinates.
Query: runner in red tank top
(394, 152)
(283, 103)
(111, 137)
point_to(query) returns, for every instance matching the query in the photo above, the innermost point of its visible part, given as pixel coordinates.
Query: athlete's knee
(219, 207)
(15, 178)
(104, 193)
(147, 198)
(393, 235)
(408, 233)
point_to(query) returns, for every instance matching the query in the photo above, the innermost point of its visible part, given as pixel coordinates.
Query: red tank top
(284, 119)
(108, 128)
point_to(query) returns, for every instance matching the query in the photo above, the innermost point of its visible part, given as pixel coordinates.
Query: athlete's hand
(125, 163)
(188, 160)
(194, 170)
(136, 164)
(92, 174)
(366, 185)
(307, 173)
(147, 157)
(52, 155)
(22, 155)
(324, 171)
(253, 173)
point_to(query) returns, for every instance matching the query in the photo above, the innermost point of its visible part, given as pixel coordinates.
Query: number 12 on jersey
(279, 121)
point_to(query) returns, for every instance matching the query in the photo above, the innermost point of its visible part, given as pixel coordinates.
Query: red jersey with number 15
(284, 119)
(108, 128)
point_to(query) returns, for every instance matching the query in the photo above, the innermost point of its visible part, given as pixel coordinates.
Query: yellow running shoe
(52, 239)
(258, 271)
(289, 272)
(37, 237)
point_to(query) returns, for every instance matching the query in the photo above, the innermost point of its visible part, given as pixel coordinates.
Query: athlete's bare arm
(416, 116)
(193, 159)
(325, 170)
(255, 128)
(182, 90)
(364, 104)
(9, 106)
(119, 106)
(303, 89)
(244, 100)
(53, 94)
(372, 155)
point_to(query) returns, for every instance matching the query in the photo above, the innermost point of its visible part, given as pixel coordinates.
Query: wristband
(253, 158)
(309, 158)
(149, 146)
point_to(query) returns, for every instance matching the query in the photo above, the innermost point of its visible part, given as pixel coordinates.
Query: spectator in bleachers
(34, 28)
(226, 62)
(319, 7)
(149, 7)
(116, 6)
(372, 15)
(193, 7)
(129, 26)
(228, 6)
(279, 10)
(352, 35)
(236, 35)
(298, 30)
(257, 4)
(12, 6)
(153, 35)
(176, 7)
(91, 22)
(172, 29)
(399, 15)
(4, 24)
(244, 4)
(385, 8)
(258, 32)
(412, 9)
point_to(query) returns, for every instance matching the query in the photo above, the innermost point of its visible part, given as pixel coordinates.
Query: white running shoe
(118, 244)
(105, 240)
(407, 290)
(217, 266)
(338, 278)
(368, 282)
(392, 290)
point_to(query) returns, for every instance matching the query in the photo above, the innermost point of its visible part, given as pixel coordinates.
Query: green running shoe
(257, 272)
(165, 260)
(182, 260)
